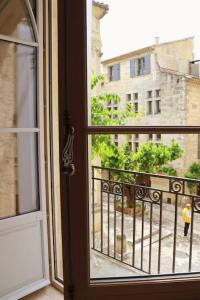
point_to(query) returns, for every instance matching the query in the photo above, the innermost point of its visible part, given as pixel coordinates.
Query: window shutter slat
(132, 68)
(115, 72)
(118, 71)
(147, 69)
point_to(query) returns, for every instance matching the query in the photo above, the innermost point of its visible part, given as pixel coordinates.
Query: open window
(96, 228)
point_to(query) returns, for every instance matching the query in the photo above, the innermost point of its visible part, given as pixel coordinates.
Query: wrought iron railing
(136, 220)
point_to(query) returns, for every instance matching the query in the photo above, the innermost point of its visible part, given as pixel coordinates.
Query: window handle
(67, 154)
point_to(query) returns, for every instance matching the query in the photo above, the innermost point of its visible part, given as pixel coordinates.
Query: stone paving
(103, 266)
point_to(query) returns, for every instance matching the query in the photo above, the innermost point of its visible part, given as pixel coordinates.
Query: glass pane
(140, 80)
(19, 174)
(17, 85)
(145, 205)
(15, 20)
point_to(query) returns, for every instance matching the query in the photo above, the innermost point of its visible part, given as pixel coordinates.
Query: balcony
(137, 224)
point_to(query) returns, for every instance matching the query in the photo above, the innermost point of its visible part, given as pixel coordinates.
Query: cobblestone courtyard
(103, 266)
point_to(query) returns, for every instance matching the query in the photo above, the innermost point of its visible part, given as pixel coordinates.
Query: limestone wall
(175, 55)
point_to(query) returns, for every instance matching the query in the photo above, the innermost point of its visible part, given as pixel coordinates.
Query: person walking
(186, 215)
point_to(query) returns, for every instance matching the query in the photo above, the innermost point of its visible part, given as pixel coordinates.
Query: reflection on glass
(15, 20)
(164, 71)
(18, 173)
(141, 188)
(17, 85)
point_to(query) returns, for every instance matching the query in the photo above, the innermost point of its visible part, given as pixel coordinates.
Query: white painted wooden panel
(21, 261)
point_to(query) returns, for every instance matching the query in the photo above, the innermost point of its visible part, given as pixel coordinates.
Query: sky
(133, 24)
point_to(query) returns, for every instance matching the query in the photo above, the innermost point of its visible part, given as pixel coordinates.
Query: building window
(157, 107)
(114, 72)
(114, 112)
(157, 93)
(136, 107)
(150, 137)
(149, 107)
(158, 137)
(136, 136)
(128, 97)
(154, 137)
(140, 66)
(116, 142)
(130, 142)
(149, 94)
(109, 102)
(136, 146)
(113, 109)
(130, 146)
(133, 142)
(135, 96)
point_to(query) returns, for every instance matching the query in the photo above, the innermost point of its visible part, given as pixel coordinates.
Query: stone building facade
(98, 12)
(158, 80)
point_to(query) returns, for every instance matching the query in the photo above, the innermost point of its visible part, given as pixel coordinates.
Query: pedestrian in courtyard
(186, 214)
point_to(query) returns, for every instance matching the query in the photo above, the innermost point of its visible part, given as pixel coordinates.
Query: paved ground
(102, 266)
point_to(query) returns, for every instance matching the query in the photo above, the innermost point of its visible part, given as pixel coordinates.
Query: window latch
(67, 154)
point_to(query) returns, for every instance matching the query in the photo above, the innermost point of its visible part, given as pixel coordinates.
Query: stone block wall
(175, 55)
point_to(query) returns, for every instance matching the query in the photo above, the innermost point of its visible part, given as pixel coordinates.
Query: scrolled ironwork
(67, 154)
(176, 186)
(105, 186)
(155, 196)
(117, 189)
(197, 204)
(140, 192)
(68, 167)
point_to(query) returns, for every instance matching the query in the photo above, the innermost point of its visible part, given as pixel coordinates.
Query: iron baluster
(175, 232)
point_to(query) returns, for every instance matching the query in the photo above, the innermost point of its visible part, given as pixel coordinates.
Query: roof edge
(128, 55)
(142, 50)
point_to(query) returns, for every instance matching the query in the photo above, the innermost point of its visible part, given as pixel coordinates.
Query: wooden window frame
(74, 190)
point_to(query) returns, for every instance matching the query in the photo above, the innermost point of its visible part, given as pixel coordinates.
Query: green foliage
(193, 173)
(150, 158)
(153, 158)
(95, 79)
(168, 170)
